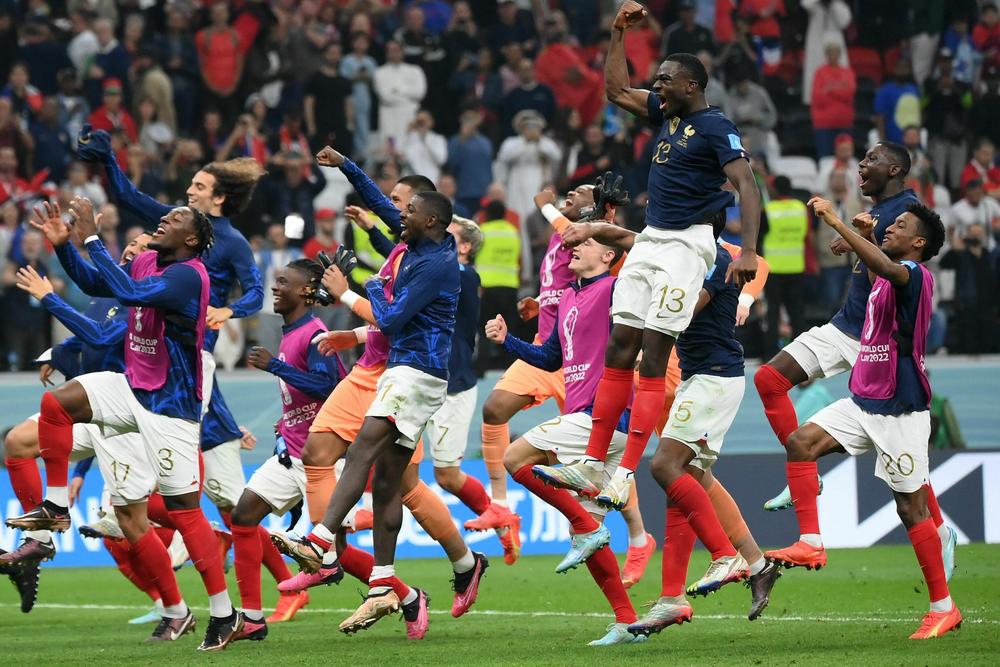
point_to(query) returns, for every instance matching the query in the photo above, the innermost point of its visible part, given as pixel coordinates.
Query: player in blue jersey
(158, 397)
(220, 190)
(698, 149)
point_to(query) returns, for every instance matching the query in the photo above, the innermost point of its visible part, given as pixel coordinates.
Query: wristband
(551, 213)
(361, 334)
(746, 299)
(350, 298)
(92, 237)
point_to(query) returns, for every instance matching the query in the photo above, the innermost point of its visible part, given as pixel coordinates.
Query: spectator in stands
(986, 108)
(897, 103)
(946, 112)
(715, 92)
(975, 208)
(463, 36)
(154, 135)
(287, 190)
(476, 83)
(976, 293)
(529, 94)
(145, 174)
(514, 26)
(739, 54)
(591, 157)
(83, 44)
(785, 249)
(400, 88)
(957, 40)
(52, 143)
(425, 49)
(246, 140)
(112, 115)
(686, 36)
(751, 108)
(563, 66)
(151, 83)
(986, 34)
(27, 330)
(642, 44)
(110, 62)
(833, 88)
(275, 255)
(82, 185)
(923, 29)
(324, 240)
(13, 136)
(763, 18)
(983, 168)
(424, 150)
(179, 57)
(25, 99)
(221, 54)
(359, 68)
(835, 270)
(497, 263)
(827, 21)
(73, 107)
(526, 162)
(291, 138)
(43, 56)
(328, 105)
(470, 161)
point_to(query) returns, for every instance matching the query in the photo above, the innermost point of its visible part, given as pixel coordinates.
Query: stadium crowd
(492, 101)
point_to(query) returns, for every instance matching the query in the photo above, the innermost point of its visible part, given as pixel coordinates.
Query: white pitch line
(820, 618)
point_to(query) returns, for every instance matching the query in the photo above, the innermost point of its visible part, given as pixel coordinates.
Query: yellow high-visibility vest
(785, 243)
(365, 252)
(498, 261)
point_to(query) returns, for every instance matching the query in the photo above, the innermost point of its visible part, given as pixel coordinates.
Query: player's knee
(21, 442)
(449, 478)
(623, 347)
(664, 468)
(494, 412)
(910, 509)
(242, 517)
(132, 522)
(186, 501)
(801, 446)
(767, 380)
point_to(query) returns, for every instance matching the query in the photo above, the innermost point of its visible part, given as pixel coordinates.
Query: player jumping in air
(698, 148)
(305, 377)
(159, 397)
(889, 407)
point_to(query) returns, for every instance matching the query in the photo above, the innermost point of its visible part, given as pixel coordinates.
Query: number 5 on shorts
(683, 412)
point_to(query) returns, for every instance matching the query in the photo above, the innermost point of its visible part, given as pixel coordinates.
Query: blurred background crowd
(493, 101)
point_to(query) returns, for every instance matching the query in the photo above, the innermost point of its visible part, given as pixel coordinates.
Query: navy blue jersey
(375, 200)
(709, 345)
(686, 175)
(229, 261)
(178, 291)
(322, 373)
(851, 316)
(910, 395)
(98, 334)
(420, 321)
(218, 424)
(461, 374)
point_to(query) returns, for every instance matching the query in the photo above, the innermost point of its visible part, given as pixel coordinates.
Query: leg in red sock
(356, 562)
(613, 392)
(151, 561)
(562, 500)
(678, 543)
(692, 500)
(604, 569)
(773, 388)
(473, 495)
(26, 481)
(803, 483)
(249, 555)
(273, 561)
(203, 547)
(55, 439)
(927, 546)
(121, 552)
(647, 406)
(933, 507)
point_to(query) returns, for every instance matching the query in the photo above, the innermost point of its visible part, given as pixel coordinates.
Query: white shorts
(659, 283)
(900, 441)
(129, 475)
(280, 487)
(566, 436)
(224, 480)
(824, 351)
(408, 398)
(171, 444)
(703, 410)
(448, 430)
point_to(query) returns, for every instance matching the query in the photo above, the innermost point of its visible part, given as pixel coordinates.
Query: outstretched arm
(616, 83)
(869, 253)
(318, 380)
(249, 278)
(602, 232)
(408, 301)
(547, 356)
(96, 147)
(744, 268)
(171, 290)
(365, 186)
(93, 333)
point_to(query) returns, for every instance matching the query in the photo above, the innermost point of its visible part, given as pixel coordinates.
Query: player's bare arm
(744, 268)
(869, 253)
(604, 233)
(616, 84)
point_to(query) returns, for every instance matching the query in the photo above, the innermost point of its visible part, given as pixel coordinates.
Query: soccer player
(833, 348)
(220, 190)
(305, 379)
(419, 322)
(888, 410)
(575, 345)
(697, 149)
(158, 397)
(523, 386)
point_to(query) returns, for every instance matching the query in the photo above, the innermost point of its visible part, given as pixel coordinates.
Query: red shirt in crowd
(103, 119)
(973, 171)
(314, 246)
(763, 15)
(221, 58)
(576, 86)
(833, 97)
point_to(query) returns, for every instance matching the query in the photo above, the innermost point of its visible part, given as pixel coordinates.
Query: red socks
(151, 561)
(692, 500)
(647, 406)
(203, 547)
(773, 388)
(473, 494)
(933, 507)
(395, 583)
(249, 554)
(678, 543)
(55, 438)
(26, 481)
(357, 563)
(561, 499)
(803, 483)
(927, 545)
(610, 401)
(122, 554)
(604, 569)
(273, 561)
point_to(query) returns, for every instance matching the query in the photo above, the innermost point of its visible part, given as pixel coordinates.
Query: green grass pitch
(859, 610)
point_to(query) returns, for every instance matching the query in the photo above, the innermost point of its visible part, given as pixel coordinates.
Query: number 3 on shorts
(166, 458)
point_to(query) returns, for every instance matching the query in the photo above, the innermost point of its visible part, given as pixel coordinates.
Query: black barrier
(856, 508)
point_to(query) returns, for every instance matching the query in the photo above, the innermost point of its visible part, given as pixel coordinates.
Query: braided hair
(312, 271)
(203, 227)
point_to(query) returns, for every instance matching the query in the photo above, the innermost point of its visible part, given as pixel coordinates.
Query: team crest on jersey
(689, 132)
(112, 312)
(569, 326)
(674, 124)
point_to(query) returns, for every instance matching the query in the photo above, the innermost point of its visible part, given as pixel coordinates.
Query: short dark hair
(313, 272)
(418, 183)
(782, 185)
(692, 67)
(494, 210)
(898, 154)
(437, 205)
(931, 228)
(203, 228)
